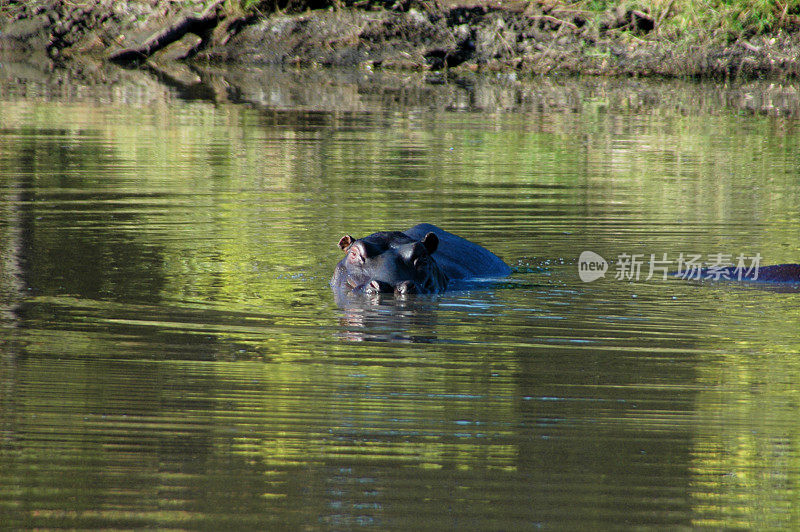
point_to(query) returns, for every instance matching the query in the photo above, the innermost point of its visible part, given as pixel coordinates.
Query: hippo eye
(417, 256)
(420, 260)
(355, 256)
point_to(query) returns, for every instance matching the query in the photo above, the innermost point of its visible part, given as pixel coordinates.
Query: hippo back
(780, 273)
(459, 258)
(777, 273)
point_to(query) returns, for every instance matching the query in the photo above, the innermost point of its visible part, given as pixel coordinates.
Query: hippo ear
(431, 242)
(345, 242)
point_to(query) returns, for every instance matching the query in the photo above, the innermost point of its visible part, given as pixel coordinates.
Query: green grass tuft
(702, 20)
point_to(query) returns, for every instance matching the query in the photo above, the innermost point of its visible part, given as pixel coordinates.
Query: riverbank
(527, 38)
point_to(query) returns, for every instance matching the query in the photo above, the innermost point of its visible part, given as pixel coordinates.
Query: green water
(171, 355)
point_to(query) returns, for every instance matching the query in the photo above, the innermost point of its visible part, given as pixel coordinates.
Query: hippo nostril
(405, 287)
(377, 287)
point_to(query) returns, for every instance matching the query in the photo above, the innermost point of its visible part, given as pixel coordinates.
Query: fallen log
(187, 23)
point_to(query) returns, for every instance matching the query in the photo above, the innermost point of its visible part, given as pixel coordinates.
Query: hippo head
(389, 262)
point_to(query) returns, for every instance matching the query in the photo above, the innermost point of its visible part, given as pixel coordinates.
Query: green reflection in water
(174, 357)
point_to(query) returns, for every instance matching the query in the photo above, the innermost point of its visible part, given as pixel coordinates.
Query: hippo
(422, 260)
(777, 273)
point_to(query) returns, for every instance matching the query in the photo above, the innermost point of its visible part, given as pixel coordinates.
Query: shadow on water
(328, 90)
(414, 318)
(386, 318)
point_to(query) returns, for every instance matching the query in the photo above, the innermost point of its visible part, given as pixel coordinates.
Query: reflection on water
(171, 355)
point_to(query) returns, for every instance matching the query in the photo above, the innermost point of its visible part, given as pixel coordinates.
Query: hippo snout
(402, 288)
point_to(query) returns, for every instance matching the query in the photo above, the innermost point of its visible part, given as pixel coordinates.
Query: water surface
(171, 355)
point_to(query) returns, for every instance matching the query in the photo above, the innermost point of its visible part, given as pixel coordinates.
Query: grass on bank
(726, 20)
(705, 20)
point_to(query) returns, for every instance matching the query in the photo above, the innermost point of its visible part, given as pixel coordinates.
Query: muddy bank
(457, 36)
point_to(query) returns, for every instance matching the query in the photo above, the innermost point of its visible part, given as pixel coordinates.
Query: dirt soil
(453, 35)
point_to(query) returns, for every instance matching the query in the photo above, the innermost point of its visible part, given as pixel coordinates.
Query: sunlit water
(172, 355)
